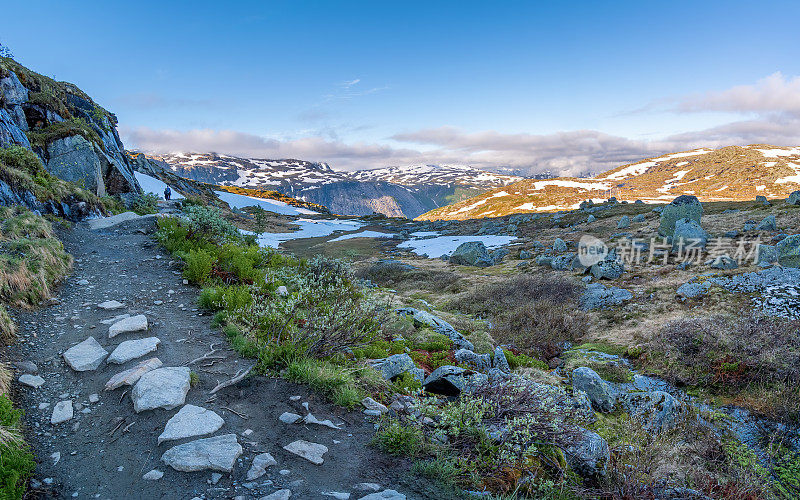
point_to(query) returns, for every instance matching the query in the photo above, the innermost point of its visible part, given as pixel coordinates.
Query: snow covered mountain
(393, 191)
(731, 173)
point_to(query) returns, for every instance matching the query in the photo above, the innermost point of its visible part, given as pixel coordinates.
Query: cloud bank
(772, 104)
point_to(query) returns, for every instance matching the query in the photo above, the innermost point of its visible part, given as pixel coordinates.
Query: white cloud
(775, 93)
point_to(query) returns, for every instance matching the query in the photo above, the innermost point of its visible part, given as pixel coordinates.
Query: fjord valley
(281, 278)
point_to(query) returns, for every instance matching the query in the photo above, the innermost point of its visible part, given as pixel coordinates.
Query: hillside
(392, 191)
(731, 173)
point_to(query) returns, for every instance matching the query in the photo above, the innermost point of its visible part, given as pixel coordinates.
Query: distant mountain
(393, 191)
(728, 174)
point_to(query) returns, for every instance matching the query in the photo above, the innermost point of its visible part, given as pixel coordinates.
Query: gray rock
(451, 380)
(658, 410)
(131, 324)
(259, 466)
(161, 388)
(472, 253)
(591, 219)
(153, 475)
(62, 412)
(597, 390)
(794, 198)
(766, 255)
(85, 356)
(762, 200)
(384, 495)
(112, 305)
(289, 418)
(624, 222)
(26, 366)
(394, 366)
(688, 233)
(311, 419)
(283, 494)
(639, 218)
(34, 381)
(191, 421)
(478, 362)
(559, 245)
(312, 452)
(682, 207)
(544, 260)
(499, 361)
(115, 220)
(599, 296)
(722, 262)
(215, 453)
(589, 454)
(438, 325)
(371, 404)
(692, 290)
(609, 268)
(132, 349)
(131, 376)
(525, 255)
(789, 251)
(768, 224)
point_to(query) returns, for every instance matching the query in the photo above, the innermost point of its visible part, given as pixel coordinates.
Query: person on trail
(167, 193)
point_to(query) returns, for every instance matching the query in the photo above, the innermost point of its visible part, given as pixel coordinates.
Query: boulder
(789, 251)
(472, 253)
(132, 349)
(591, 219)
(217, 453)
(768, 224)
(394, 366)
(657, 410)
(112, 305)
(478, 362)
(722, 262)
(794, 198)
(384, 495)
(161, 388)
(563, 262)
(312, 452)
(85, 356)
(438, 325)
(131, 324)
(283, 494)
(559, 245)
(588, 455)
(597, 390)
(688, 233)
(682, 207)
(762, 200)
(191, 421)
(499, 361)
(610, 268)
(598, 296)
(639, 218)
(624, 222)
(766, 255)
(34, 381)
(525, 255)
(451, 380)
(692, 290)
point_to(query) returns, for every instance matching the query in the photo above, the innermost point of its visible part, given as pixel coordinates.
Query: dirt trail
(106, 448)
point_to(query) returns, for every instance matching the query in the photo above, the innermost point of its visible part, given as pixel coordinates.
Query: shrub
(16, 459)
(398, 439)
(494, 298)
(198, 266)
(144, 204)
(207, 223)
(7, 328)
(539, 328)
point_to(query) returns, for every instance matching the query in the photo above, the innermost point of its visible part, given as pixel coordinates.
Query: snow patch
(446, 245)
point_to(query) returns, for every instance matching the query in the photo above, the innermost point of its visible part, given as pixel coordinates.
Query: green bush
(399, 439)
(144, 204)
(207, 223)
(16, 459)
(199, 264)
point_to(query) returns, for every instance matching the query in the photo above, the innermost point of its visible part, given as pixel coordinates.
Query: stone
(191, 421)
(367, 487)
(762, 200)
(338, 495)
(692, 290)
(682, 207)
(312, 452)
(794, 198)
(132, 375)
(132, 349)
(161, 388)
(259, 466)
(688, 234)
(599, 296)
(311, 419)
(624, 222)
(85, 356)
(371, 404)
(283, 494)
(62, 412)
(658, 410)
(451, 380)
(768, 224)
(609, 268)
(499, 361)
(153, 475)
(591, 219)
(26, 366)
(722, 262)
(478, 362)
(597, 390)
(384, 495)
(789, 251)
(217, 453)
(113, 320)
(34, 381)
(110, 305)
(559, 245)
(766, 255)
(472, 253)
(525, 255)
(589, 454)
(82, 282)
(394, 366)
(289, 418)
(639, 218)
(94, 398)
(282, 291)
(131, 324)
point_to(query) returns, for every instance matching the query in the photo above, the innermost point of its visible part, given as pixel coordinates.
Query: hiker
(167, 193)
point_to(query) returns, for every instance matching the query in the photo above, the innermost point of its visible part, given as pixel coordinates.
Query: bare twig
(239, 376)
(208, 355)
(234, 411)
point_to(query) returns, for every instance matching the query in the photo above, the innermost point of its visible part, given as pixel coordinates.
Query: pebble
(259, 466)
(62, 412)
(34, 381)
(289, 418)
(153, 475)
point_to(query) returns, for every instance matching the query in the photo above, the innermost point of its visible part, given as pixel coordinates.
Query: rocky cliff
(75, 138)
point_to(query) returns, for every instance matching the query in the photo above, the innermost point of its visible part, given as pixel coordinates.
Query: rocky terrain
(394, 191)
(733, 173)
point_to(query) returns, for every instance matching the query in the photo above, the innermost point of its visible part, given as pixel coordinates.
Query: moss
(41, 137)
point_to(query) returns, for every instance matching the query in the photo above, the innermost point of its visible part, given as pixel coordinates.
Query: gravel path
(105, 448)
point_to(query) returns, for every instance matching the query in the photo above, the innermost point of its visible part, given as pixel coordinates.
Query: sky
(569, 87)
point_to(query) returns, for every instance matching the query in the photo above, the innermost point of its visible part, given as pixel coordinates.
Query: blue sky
(568, 86)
